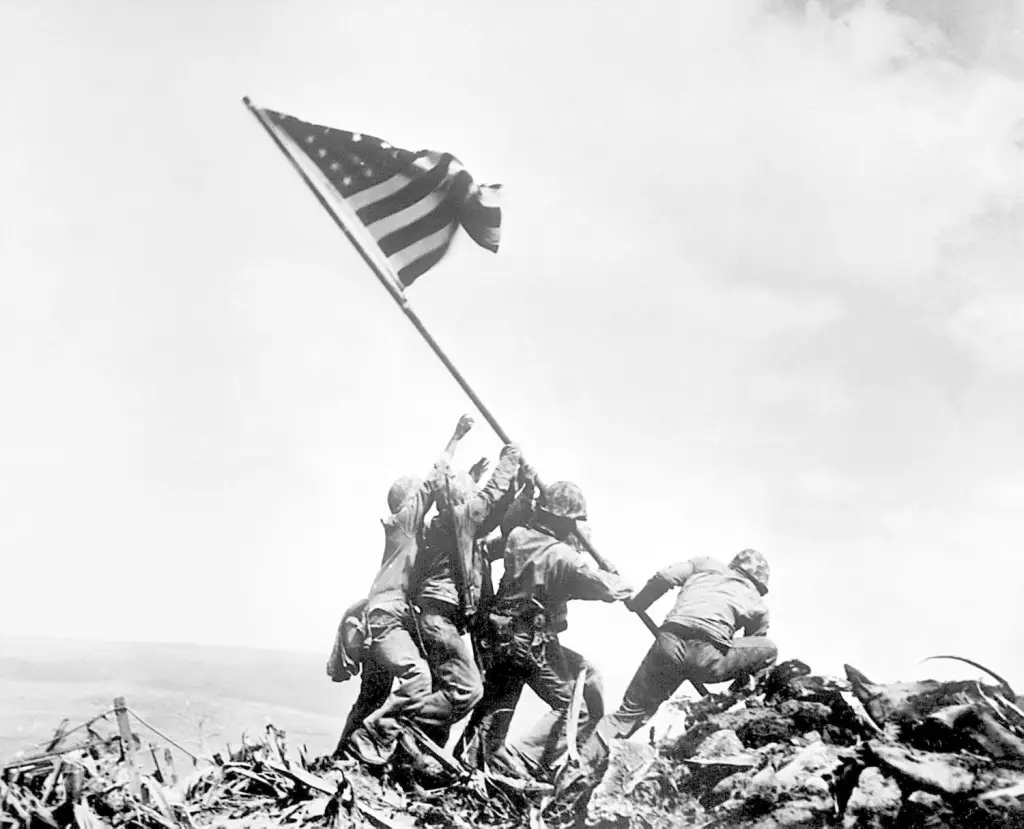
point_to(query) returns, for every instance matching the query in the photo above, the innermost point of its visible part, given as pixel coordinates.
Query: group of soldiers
(421, 676)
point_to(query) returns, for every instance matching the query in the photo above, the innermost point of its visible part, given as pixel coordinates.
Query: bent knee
(593, 682)
(415, 683)
(465, 698)
(768, 650)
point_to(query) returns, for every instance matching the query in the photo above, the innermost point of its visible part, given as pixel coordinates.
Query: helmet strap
(760, 587)
(555, 525)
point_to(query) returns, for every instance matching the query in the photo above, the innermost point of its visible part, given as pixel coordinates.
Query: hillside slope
(187, 691)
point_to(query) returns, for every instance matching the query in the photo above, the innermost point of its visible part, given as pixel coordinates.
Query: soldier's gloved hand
(477, 470)
(463, 426)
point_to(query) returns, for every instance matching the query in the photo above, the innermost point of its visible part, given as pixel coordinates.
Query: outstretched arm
(489, 505)
(461, 430)
(578, 581)
(413, 511)
(664, 580)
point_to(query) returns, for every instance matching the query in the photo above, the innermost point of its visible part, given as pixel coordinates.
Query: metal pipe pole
(390, 283)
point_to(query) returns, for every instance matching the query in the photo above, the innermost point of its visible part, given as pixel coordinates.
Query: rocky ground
(797, 751)
(809, 751)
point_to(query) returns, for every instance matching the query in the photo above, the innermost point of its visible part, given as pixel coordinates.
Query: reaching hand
(464, 425)
(477, 470)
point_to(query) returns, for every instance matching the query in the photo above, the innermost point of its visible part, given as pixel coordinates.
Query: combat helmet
(401, 489)
(564, 500)
(754, 566)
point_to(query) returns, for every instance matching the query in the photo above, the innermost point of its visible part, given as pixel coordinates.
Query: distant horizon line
(28, 637)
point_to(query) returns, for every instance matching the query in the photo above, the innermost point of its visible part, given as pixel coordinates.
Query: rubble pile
(798, 750)
(261, 783)
(803, 750)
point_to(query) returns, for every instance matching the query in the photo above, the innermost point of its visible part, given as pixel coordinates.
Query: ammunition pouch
(522, 636)
(501, 631)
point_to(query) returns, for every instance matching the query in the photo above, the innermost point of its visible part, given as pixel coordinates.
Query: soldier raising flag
(401, 211)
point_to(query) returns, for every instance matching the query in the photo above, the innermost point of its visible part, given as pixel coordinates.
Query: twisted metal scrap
(1002, 682)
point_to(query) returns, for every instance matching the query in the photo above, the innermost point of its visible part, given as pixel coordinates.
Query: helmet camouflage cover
(565, 500)
(401, 490)
(755, 567)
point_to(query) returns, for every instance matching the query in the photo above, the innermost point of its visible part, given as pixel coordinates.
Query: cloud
(985, 299)
(844, 156)
(992, 328)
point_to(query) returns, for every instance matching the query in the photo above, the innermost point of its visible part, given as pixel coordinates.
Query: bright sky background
(759, 286)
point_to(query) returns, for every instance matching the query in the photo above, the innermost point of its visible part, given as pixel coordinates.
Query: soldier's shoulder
(532, 541)
(520, 534)
(562, 551)
(712, 564)
(694, 566)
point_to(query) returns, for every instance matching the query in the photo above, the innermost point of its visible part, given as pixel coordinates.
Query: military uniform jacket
(538, 566)
(714, 600)
(473, 520)
(389, 591)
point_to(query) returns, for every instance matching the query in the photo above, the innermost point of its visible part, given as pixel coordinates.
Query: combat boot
(371, 745)
(425, 769)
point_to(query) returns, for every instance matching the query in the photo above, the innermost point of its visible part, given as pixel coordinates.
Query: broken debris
(798, 750)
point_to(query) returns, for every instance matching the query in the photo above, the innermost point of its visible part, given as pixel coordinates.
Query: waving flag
(411, 204)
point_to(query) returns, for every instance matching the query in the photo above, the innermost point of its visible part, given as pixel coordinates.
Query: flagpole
(390, 283)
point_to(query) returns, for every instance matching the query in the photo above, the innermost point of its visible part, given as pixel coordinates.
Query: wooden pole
(127, 744)
(169, 764)
(158, 771)
(74, 780)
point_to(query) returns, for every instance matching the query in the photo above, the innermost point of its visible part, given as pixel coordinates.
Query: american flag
(411, 203)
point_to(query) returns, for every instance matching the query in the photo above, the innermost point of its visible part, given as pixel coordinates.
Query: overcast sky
(759, 286)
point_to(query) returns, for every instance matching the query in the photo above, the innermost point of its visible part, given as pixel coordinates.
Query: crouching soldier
(696, 641)
(543, 572)
(394, 648)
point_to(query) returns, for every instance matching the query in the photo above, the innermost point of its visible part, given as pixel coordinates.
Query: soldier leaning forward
(697, 642)
(542, 574)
